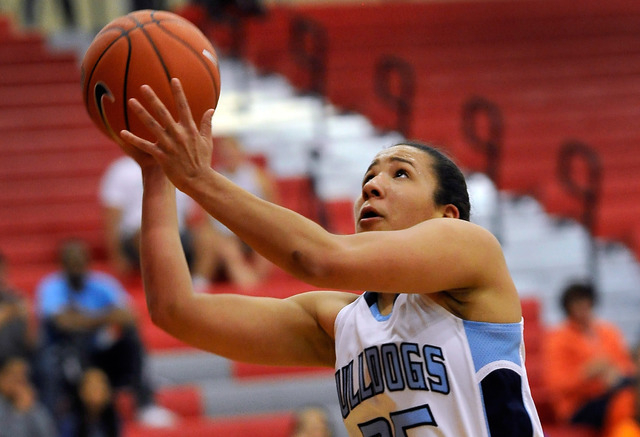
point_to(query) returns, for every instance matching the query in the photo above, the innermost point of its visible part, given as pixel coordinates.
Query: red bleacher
(555, 70)
(185, 401)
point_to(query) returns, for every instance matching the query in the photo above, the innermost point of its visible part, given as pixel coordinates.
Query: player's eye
(367, 178)
(400, 173)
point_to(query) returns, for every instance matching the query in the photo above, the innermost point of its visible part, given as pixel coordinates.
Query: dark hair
(577, 291)
(452, 186)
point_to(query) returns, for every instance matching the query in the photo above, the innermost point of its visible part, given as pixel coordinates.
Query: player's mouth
(368, 215)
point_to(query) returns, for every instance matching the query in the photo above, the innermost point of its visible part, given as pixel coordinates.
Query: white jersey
(421, 371)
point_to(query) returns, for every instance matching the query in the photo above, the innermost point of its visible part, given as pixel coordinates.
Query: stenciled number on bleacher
(401, 421)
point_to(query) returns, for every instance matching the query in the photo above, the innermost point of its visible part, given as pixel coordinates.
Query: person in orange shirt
(625, 421)
(588, 362)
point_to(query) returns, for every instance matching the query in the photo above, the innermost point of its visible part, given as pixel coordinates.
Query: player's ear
(450, 211)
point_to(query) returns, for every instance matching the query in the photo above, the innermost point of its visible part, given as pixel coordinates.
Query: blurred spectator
(68, 13)
(15, 336)
(121, 197)
(312, 422)
(94, 413)
(136, 5)
(587, 361)
(221, 9)
(227, 254)
(207, 13)
(625, 418)
(21, 415)
(86, 322)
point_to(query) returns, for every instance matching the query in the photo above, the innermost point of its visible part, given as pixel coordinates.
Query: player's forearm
(164, 268)
(291, 241)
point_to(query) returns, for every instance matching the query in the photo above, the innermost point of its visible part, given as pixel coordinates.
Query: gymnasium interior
(534, 99)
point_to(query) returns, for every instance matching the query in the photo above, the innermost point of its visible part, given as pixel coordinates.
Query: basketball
(147, 47)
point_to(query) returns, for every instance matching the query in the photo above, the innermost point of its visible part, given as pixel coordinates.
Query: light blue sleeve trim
(490, 342)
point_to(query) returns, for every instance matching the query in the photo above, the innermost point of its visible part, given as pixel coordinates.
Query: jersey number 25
(401, 422)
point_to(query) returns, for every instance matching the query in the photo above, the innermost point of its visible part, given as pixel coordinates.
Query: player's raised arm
(292, 331)
(414, 253)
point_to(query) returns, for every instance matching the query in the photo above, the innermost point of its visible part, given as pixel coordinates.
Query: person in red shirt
(587, 360)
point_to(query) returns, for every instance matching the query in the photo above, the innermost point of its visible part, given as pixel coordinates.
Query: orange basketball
(147, 47)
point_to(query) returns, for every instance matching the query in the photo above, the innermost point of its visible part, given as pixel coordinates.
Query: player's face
(397, 191)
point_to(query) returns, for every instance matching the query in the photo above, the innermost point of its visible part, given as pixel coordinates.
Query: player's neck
(385, 303)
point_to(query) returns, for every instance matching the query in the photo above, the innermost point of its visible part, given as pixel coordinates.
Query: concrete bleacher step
(6, 26)
(185, 401)
(180, 367)
(263, 425)
(44, 118)
(33, 53)
(57, 164)
(268, 394)
(38, 191)
(40, 73)
(56, 219)
(69, 139)
(12, 96)
(225, 394)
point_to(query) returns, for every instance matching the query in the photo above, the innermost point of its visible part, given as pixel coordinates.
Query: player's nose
(374, 187)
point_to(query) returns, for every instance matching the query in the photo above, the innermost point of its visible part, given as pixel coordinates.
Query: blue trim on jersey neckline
(375, 312)
(372, 300)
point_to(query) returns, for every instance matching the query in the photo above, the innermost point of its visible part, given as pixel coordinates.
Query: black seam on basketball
(124, 84)
(162, 20)
(198, 55)
(141, 26)
(95, 65)
(154, 47)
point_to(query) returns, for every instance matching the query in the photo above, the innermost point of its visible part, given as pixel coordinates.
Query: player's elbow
(163, 314)
(305, 266)
(316, 268)
(157, 315)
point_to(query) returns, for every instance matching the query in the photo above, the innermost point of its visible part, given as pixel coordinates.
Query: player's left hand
(182, 150)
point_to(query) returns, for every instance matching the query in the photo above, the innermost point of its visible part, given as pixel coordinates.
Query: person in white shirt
(121, 197)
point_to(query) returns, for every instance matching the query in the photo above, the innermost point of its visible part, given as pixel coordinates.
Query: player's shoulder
(324, 306)
(461, 233)
(314, 299)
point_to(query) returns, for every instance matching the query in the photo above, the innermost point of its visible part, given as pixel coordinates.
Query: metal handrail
(387, 69)
(588, 193)
(473, 108)
(308, 44)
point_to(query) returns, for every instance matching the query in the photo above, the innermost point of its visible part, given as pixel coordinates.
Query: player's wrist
(152, 173)
(201, 184)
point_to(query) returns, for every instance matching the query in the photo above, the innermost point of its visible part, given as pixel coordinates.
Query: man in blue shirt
(86, 321)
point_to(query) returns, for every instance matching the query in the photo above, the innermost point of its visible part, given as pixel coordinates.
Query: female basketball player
(435, 343)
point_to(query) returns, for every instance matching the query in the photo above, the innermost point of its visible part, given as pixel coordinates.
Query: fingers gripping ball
(147, 47)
